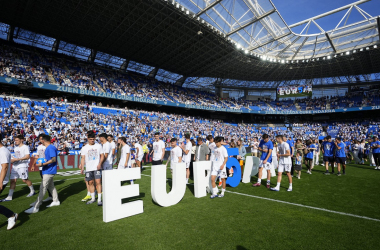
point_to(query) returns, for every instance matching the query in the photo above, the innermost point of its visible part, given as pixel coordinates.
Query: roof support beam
(208, 7)
(180, 81)
(92, 56)
(330, 41)
(55, 45)
(270, 41)
(328, 13)
(252, 22)
(378, 26)
(153, 72)
(124, 66)
(11, 31)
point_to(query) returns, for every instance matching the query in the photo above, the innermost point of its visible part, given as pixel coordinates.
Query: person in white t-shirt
(5, 167)
(92, 160)
(113, 146)
(255, 146)
(139, 153)
(175, 153)
(20, 167)
(218, 167)
(88, 196)
(284, 163)
(187, 155)
(107, 150)
(125, 156)
(158, 150)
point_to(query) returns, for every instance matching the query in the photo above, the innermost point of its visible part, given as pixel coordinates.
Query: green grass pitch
(233, 222)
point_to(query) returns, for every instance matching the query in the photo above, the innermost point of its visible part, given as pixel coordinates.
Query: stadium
(165, 114)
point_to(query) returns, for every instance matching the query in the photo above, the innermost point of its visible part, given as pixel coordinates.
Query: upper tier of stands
(52, 68)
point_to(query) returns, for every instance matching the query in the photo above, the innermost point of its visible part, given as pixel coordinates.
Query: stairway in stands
(298, 107)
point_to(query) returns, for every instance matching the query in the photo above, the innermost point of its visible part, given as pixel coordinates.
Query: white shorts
(266, 166)
(218, 172)
(139, 158)
(284, 167)
(187, 164)
(19, 173)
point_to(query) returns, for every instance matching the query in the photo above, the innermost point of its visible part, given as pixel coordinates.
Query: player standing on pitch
(5, 168)
(218, 167)
(92, 160)
(20, 167)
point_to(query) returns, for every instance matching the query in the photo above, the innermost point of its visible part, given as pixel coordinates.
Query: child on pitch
(219, 167)
(298, 165)
(175, 153)
(284, 163)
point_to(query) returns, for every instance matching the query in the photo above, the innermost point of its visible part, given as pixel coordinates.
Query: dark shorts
(298, 167)
(328, 159)
(156, 162)
(93, 175)
(340, 160)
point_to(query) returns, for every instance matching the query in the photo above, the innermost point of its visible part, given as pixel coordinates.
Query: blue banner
(8, 80)
(78, 91)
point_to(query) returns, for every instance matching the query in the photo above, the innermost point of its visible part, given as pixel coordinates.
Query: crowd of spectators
(68, 122)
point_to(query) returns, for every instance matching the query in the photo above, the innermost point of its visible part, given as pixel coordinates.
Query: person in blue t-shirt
(328, 154)
(49, 169)
(340, 155)
(309, 155)
(375, 146)
(266, 147)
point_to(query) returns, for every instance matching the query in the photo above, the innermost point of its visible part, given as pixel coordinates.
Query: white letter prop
(201, 182)
(113, 192)
(159, 194)
(251, 168)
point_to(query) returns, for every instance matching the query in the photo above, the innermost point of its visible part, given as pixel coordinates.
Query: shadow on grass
(69, 190)
(22, 218)
(241, 248)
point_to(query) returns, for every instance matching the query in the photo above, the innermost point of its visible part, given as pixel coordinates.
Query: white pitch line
(298, 205)
(262, 198)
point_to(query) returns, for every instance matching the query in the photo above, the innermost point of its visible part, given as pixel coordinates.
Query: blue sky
(294, 11)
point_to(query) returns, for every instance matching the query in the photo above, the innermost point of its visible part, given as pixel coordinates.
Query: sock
(10, 194)
(99, 197)
(223, 190)
(92, 196)
(31, 189)
(132, 182)
(215, 191)
(268, 181)
(278, 185)
(88, 193)
(259, 180)
(290, 185)
(187, 180)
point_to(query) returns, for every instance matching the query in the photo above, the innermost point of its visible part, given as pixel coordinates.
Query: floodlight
(361, 49)
(347, 53)
(374, 46)
(328, 57)
(246, 51)
(354, 51)
(282, 61)
(367, 48)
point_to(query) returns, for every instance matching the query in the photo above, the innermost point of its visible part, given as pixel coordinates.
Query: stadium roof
(214, 41)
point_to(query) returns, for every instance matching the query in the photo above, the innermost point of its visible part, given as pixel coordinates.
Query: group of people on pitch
(47, 163)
